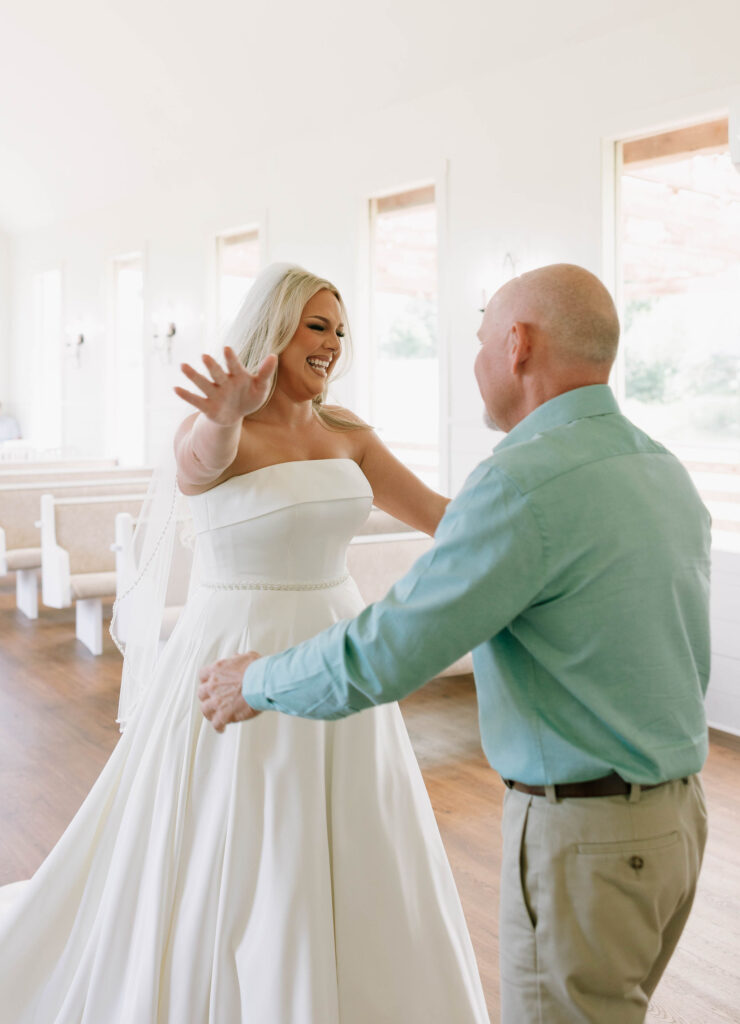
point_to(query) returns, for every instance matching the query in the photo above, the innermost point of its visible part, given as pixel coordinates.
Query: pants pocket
(517, 907)
(629, 847)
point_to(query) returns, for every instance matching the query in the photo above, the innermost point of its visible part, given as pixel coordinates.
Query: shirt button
(637, 862)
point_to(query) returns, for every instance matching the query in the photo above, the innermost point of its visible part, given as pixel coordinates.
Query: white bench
(27, 474)
(77, 561)
(10, 465)
(20, 549)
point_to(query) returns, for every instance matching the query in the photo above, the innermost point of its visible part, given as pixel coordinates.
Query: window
(680, 281)
(47, 388)
(238, 255)
(129, 426)
(404, 392)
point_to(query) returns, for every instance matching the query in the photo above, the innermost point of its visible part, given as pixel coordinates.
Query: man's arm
(486, 566)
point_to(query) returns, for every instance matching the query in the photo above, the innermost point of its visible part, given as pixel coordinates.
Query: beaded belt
(252, 585)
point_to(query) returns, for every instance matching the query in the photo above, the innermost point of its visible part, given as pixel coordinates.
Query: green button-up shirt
(575, 564)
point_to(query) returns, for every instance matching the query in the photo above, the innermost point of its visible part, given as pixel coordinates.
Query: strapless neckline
(246, 496)
(276, 465)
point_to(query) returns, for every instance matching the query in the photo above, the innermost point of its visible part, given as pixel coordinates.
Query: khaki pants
(594, 896)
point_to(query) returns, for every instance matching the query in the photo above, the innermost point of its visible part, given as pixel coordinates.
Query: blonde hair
(268, 320)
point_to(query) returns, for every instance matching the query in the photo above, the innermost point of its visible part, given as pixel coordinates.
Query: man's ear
(520, 346)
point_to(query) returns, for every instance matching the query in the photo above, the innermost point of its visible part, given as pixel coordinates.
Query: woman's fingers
(231, 391)
(197, 400)
(236, 367)
(205, 385)
(214, 369)
(233, 363)
(266, 368)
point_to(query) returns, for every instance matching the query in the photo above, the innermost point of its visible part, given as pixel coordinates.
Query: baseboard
(724, 739)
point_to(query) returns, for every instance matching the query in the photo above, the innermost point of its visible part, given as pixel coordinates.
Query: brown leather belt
(608, 785)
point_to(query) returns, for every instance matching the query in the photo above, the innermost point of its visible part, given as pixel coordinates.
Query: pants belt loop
(635, 790)
(551, 795)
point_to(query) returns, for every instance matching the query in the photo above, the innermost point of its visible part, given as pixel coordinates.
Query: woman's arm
(397, 490)
(203, 451)
(206, 444)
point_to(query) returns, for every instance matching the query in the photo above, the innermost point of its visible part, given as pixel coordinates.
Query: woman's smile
(320, 364)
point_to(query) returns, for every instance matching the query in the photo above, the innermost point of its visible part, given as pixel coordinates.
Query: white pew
(10, 465)
(77, 561)
(26, 474)
(20, 549)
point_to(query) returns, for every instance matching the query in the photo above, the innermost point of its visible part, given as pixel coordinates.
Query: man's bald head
(570, 306)
(549, 331)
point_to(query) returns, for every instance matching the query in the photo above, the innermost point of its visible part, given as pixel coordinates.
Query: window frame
(422, 191)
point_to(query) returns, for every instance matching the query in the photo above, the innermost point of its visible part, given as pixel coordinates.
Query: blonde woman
(290, 872)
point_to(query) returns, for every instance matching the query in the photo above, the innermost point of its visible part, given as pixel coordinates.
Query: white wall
(723, 697)
(518, 156)
(524, 153)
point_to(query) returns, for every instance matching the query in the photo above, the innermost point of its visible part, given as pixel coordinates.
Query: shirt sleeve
(486, 566)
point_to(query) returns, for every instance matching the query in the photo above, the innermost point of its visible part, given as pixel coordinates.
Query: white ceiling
(99, 98)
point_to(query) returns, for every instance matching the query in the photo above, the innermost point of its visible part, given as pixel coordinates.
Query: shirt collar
(580, 403)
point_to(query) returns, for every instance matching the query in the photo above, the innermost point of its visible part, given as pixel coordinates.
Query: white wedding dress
(283, 872)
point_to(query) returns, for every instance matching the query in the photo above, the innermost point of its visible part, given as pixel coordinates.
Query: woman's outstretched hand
(230, 393)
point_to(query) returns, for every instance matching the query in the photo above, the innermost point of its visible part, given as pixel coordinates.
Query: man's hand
(220, 691)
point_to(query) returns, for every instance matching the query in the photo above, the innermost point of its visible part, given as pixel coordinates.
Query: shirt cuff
(253, 685)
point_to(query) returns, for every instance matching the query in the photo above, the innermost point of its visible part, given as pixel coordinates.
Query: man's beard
(490, 422)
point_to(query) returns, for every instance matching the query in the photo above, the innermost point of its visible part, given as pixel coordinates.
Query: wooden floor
(57, 711)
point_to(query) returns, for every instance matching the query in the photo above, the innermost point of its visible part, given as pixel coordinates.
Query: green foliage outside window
(412, 333)
(682, 354)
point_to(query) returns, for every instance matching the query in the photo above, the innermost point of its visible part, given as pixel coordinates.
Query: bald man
(575, 564)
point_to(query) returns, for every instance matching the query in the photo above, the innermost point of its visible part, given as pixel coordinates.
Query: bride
(290, 872)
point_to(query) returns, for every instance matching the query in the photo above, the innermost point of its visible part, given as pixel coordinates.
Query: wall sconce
(163, 335)
(75, 341)
(510, 266)
(509, 270)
